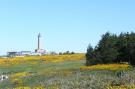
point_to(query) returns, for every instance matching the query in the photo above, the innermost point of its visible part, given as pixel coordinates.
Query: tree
(113, 49)
(107, 49)
(89, 55)
(72, 52)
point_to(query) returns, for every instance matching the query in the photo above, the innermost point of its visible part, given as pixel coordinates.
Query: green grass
(62, 75)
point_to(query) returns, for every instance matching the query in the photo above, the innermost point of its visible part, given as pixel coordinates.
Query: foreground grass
(64, 72)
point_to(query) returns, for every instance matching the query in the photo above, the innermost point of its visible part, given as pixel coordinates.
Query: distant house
(41, 51)
(18, 54)
(13, 54)
(25, 53)
(36, 54)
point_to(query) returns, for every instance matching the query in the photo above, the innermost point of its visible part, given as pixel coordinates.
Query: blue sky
(64, 24)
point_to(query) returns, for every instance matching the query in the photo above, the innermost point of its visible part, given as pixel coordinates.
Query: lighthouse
(39, 50)
(39, 38)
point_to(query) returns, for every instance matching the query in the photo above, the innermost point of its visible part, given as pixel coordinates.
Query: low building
(36, 54)
(18, 54)
(13, 54)
(25, 53)
(41, 51)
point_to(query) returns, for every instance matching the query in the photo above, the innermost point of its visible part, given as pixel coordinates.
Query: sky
(64, 24)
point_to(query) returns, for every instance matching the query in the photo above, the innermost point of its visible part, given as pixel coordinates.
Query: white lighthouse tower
(39, 38)
(39, 49)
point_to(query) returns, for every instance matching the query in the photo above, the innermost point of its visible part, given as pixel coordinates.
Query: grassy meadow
(64, 72)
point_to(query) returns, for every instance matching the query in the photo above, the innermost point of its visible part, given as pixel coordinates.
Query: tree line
(112, 48)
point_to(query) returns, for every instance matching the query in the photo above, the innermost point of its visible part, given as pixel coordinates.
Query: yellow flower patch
(29, 88)
(47, 58)
(106, 67)
(22, 88)
(121, 87)
(61, 58)
(20, 74)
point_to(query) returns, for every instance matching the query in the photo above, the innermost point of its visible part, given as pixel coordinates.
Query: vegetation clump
(113, 48)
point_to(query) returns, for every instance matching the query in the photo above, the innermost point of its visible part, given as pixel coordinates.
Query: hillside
(63, 72)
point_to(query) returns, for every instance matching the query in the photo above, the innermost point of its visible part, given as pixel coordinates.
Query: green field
(49, 73)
